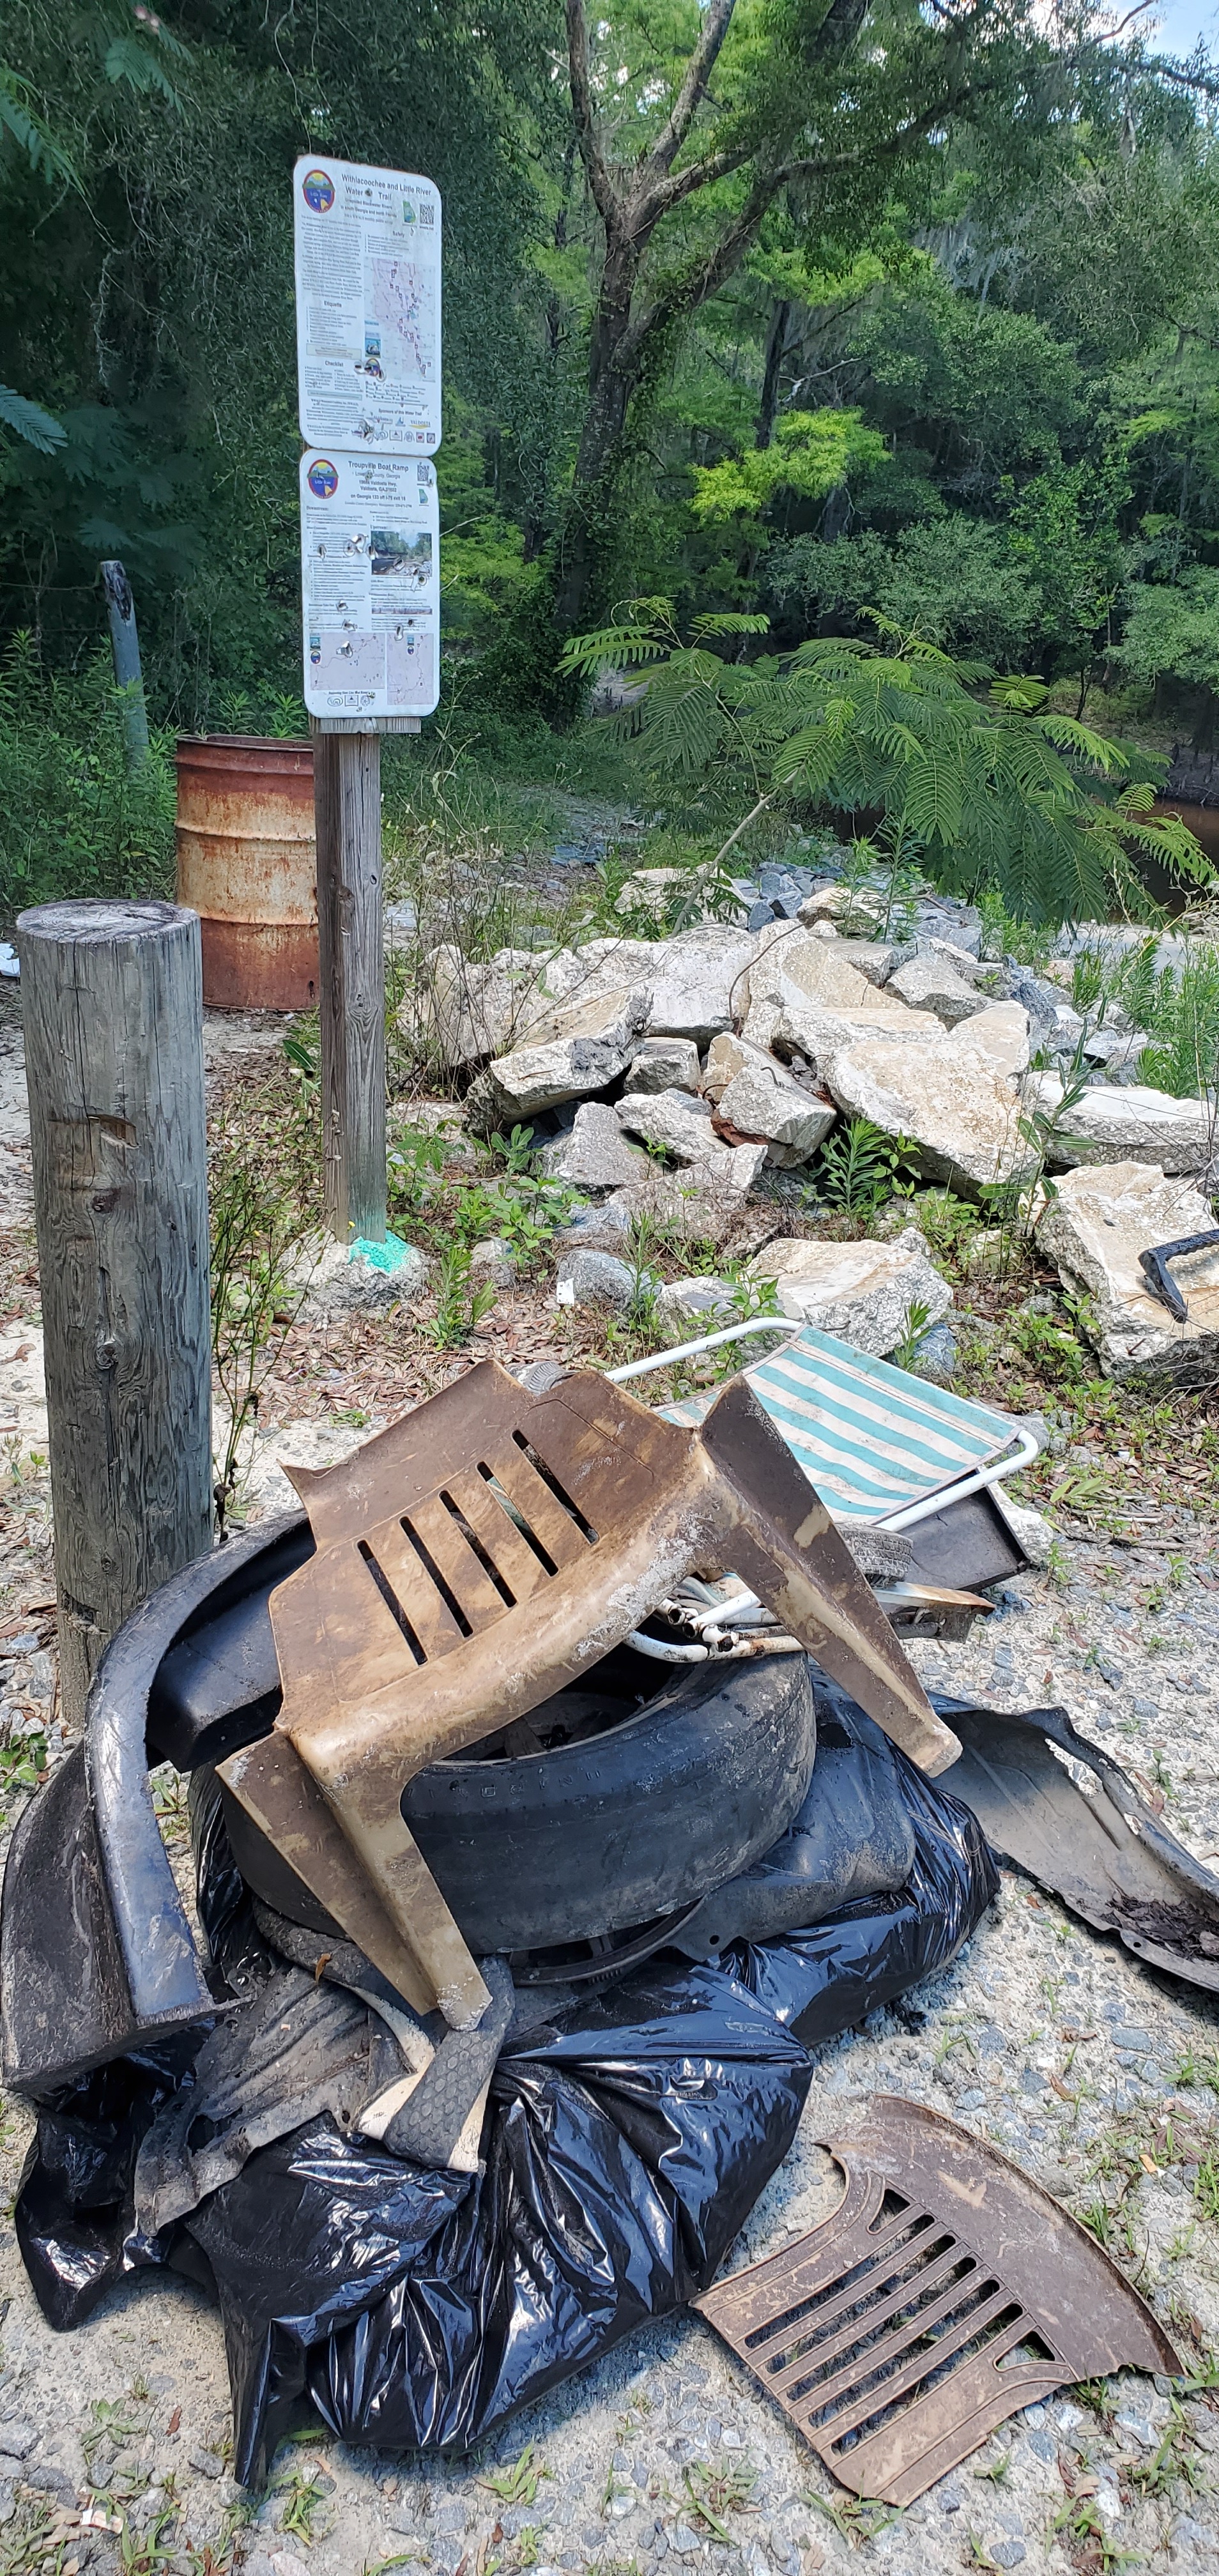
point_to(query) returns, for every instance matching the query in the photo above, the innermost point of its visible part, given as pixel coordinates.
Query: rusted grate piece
(945, 2292)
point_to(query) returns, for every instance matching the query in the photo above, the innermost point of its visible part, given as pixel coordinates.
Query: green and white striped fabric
(869, 1436)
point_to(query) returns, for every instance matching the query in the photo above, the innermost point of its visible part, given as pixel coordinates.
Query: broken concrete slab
(1000, 1032)
(690, 976)
(959, 1115)
(1125, 1122)
(589, 1045)
(464, 1009)
(803, 996)
(864, 1292)
(702, 1303)
(760, 1099)
(671, 1122)
(597, 1280)
(594, 1155)
(1094, 1227)
(931, 984)
(664, 1064)
(331, 1278)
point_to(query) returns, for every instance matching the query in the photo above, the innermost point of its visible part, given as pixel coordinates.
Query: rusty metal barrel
(246, 865)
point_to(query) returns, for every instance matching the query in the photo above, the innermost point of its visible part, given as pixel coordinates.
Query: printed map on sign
(349, 662)
(404, 304)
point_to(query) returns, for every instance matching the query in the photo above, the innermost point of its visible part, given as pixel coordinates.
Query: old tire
(645, 1816)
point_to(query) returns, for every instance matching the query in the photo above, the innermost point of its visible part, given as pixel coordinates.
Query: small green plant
(1185, 1057)
(305, 2499)
(855, 2518)
(519, 2483)
(716, 2488)
(1206, 2188)
(460, 1305)
(857, 1168)
(918, 1317)
(265, 1194)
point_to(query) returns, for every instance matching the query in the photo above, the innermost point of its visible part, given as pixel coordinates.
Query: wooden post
(112, 1000)
(351, 945)
(125, 647)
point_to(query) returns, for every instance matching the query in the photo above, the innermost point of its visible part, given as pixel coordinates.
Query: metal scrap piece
(946, 2292)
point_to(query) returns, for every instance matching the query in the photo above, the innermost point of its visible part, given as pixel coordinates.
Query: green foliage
(76, 821)
(460, 1304)
(812, 453)
(1174, 627)
(856, 1169)
(265, 1199)
(991, 791)
(1186, 1059)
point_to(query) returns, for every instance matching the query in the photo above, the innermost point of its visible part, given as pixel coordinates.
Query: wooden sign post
(351, 945)
(368, 277)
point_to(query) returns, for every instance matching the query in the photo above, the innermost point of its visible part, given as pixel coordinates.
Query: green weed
(460, 1305)
(715, 2488)
(519, 2484)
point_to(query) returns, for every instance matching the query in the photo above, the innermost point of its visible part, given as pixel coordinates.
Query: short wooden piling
(112, 1001)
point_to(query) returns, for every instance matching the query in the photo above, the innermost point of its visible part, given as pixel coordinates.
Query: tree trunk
(613, 374)
(776, 350)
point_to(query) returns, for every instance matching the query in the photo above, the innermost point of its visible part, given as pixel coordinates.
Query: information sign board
(367, 307)
(370, 574)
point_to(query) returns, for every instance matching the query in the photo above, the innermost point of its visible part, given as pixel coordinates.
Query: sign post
(368, 366)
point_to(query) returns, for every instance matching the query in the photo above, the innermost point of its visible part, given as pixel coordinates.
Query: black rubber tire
(649, 1815)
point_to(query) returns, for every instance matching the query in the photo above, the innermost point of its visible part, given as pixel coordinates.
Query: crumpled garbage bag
(627, 2138)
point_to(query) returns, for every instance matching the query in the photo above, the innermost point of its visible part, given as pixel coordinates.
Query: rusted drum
(247, 866)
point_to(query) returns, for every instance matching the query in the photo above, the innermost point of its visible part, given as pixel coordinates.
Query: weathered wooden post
(351, 969)
(125, 648)
(351, 980)
(112, 1001)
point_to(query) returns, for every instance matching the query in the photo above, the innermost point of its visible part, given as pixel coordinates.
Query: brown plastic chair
(475, 1558)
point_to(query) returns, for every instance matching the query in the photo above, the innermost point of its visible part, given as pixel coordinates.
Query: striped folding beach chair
(880, 1445)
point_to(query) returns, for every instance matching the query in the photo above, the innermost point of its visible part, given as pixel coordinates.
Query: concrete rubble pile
(676, 1068)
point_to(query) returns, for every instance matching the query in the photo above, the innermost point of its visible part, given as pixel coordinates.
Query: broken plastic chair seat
(476, 1558)
(944, 2293)
(1105, 1853)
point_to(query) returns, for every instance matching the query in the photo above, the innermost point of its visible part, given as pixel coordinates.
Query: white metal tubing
(709, 1342)
(947, 1494)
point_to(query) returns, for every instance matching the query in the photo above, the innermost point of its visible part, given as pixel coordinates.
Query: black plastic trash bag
(626, 2143)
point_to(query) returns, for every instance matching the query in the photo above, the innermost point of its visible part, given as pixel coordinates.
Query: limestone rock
(464, 1010)
(653, 890)
(702, 1203)
(493, 1260)
(664, 1064)
(1120, 1122)
(861, 1291)
(595, 1154)
(805, 997)
(694, 980)
(588, 1046)
(691, 978)
(873, 958)
(595, 1280)
(960, 1115)
(1000, 1032)
(1094, 1227)
(932, 984)
(336, 1282)
(674, 1122)
(759, 1098)
(704, 1303)
(848, 907)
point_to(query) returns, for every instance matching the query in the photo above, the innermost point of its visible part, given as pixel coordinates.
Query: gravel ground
(1099, 2077)
(1090, 2071)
